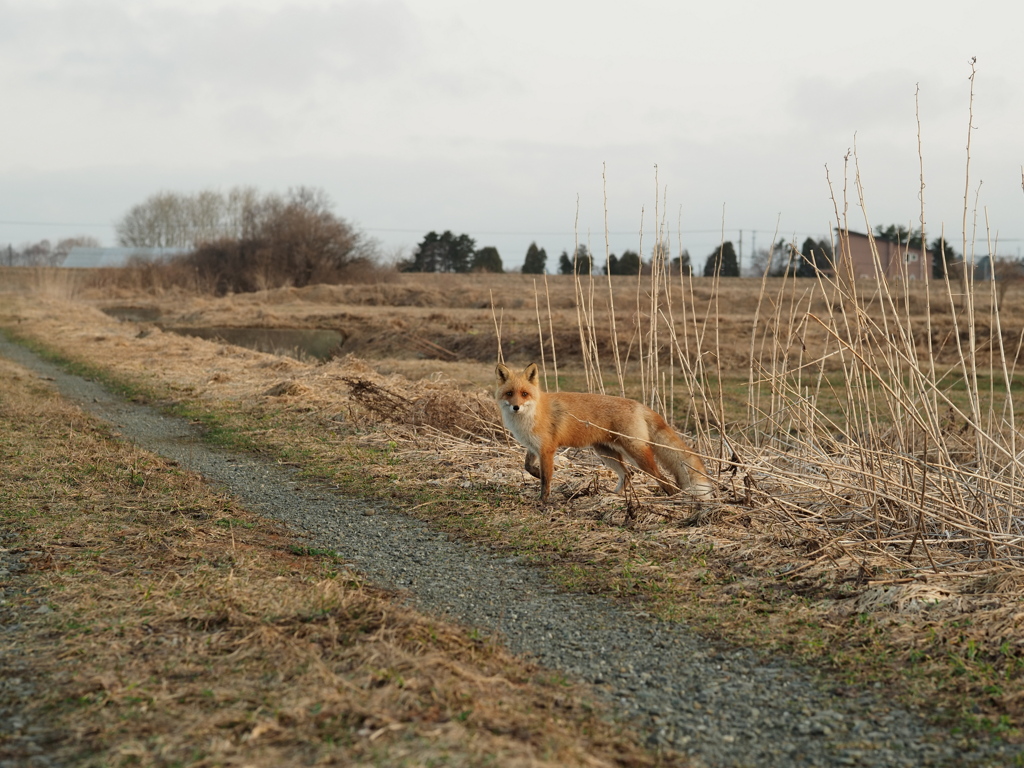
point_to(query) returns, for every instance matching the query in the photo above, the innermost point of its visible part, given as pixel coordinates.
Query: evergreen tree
(682, 263)
(785, 259)
(487, 260)
(582, 262)
(460, 253)
(815, 256)
(442, 253)
(427, 256)
(629, 263)
(612, 267)
(826, 257)
(722, 262)
(536, 260)
(945, 256)
(897, 233)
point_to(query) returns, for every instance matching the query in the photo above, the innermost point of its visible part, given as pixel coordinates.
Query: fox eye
(509, 393)
(524, 393)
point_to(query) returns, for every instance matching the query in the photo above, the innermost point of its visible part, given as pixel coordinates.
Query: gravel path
(722, 706)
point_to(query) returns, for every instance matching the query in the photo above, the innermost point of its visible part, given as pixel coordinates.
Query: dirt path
(725, 707)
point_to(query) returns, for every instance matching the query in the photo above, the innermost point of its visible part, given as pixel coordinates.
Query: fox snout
(516, 408)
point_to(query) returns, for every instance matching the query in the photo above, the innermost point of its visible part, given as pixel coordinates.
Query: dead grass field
(841, 534)
(165, 625)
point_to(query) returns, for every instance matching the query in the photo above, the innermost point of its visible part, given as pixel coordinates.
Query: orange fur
(618, 430)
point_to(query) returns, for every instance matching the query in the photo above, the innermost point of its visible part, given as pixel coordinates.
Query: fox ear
(531, 373)
(503, 373)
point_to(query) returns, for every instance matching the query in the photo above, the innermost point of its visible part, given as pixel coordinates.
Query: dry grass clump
(177, 628)
(914, 453)
(430, 404)
(51, 282)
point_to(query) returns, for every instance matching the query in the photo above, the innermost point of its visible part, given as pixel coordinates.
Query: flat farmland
(865, 441)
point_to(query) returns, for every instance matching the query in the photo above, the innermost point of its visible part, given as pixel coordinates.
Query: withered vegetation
(163, 624)
(864, 518)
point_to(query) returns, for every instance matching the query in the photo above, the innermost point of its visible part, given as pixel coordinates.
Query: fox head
(517, 391)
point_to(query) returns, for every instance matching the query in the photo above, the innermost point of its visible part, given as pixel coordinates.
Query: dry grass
(820, 529)
(179, 629)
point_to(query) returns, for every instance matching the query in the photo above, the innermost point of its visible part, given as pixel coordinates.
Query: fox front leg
(532, 464)
(547, 469)
(535, 466)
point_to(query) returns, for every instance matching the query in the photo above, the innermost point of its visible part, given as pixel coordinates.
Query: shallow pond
(294, 342)
(300, 343)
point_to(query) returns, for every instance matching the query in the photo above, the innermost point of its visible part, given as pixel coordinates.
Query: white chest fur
(520, 423)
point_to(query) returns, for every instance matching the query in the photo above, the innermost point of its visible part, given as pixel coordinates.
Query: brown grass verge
(162, 624)
(768, 563)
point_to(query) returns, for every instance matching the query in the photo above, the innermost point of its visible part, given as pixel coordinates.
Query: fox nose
(515, 407)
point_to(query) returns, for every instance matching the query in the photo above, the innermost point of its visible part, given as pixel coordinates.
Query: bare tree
(293, 239)
(155, 223)
(44, 253)
(244, 212)
(206, 216)
(248, 241)
(169, 219)
(37, 254)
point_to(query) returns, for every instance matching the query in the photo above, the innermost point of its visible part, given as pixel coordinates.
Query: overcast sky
(500, 119)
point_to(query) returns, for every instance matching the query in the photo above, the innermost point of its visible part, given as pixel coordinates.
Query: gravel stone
(722, 706)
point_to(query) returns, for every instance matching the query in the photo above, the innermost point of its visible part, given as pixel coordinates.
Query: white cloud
(173, 54)
(461, 114)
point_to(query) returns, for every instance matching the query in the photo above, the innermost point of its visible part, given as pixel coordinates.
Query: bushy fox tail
(677, 457)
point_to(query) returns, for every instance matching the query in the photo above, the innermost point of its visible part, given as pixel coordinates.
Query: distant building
(894, 259)
(81, 257)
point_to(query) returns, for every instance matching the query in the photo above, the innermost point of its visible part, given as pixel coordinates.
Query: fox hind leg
(614, 461)
(644, 457)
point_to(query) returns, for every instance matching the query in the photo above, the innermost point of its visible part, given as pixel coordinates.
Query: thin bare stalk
(611, 294)
(540, 335)
(551, 331)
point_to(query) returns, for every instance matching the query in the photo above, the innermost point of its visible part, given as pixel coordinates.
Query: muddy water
(294, 342)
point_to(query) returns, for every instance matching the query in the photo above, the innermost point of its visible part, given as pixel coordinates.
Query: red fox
(616, 428)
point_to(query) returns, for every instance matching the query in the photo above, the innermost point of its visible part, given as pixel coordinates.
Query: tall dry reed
(860, 428)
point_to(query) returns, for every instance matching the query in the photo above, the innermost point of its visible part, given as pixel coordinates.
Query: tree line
(246, 240)
(448, 252)
(44, 253)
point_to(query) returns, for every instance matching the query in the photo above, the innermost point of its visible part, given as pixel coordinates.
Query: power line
(531, 233)
(52, 224)
(539, 234)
